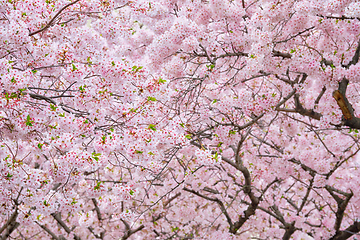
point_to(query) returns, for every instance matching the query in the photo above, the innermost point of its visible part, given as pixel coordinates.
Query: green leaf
(82, 88)
(216, 156)
(152, 99)
(162, 80)
(188, 136)
(98, 185)
(53, 107)
(233, 132)
(136, 69)
(152, 127)
(28, 121)
(95, 156)
(211, 66)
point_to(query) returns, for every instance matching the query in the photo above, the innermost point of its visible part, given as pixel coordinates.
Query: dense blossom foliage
(179, 119)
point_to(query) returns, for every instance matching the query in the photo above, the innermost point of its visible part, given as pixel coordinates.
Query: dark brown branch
(130, 232)
(281, 54)
(10, 226)
(11, 220)
(338, 164)
(268, 186)
(347, 233)
(349, 118)
(323, 90)
(101, 236)
(303, 166)
(233, 54)
(355, 58)
(210, 190)
(171, 199)
(289, 230)
(40, 97)
(49, 89)
(97, 209)
(307, 194)
(294, 36)
(289, 227)
(254, 120)
(49, 231)
(57, 217)
(285, 99)
(53, 19)
(342, 204)
(305, 112)
(247, 190)
(338, 18)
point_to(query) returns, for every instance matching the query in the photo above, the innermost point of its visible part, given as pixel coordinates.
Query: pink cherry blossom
(179, 119)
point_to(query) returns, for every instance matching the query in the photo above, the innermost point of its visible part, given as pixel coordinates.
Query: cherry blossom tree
(192, 119)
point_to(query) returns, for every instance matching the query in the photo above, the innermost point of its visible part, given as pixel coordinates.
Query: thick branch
(303, 111)
(247, 190)
(339, 95)
(11, 220)
(10, 226)
(355, 58)
(347, 233)
(131, 232)
(97, 209)
(48, 231)
(289, 230)
(57, 217)
(342, 204)
(53, 19)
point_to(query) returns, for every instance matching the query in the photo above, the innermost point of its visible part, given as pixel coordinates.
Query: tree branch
(49, 24)
(342, 204)
(339, 95)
